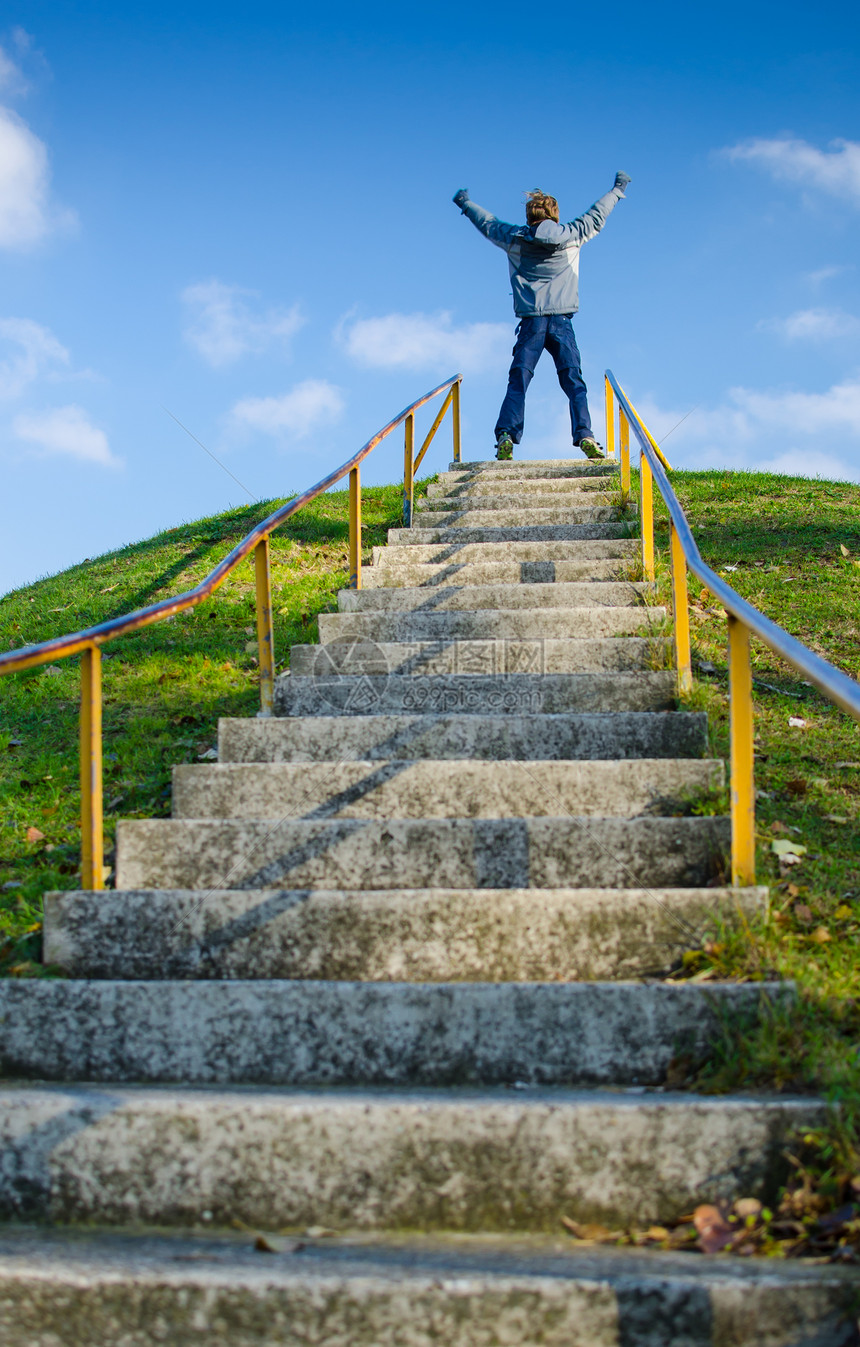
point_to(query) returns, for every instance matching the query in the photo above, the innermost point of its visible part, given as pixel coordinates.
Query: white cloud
(26, 213)
(27, 352)
(835, 170)
(817, 278)
(295, 415)
(421, 341)
(223, 326)
(65, 430)
(807, 434)
(11, 78)
(813, 325)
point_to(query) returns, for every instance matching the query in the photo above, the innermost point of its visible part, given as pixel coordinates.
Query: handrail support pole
(680, 612)
(455, 419)
(624, 437)
(265, 634)
(408, 468)
(646, 516)
(742, 755)
(92, 820)
(355, 528)
(609, 401)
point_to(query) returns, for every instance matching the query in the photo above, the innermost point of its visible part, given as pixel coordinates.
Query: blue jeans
(534, 335)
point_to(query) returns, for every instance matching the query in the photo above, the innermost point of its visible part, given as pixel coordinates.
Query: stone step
(404, 571)
(63, 1289)
(513, 533)
(326, 738)
(612, 654)
(470, 694)
(392, 935)
(460, 484)
(329, 1033)
(474, 499)
(515, 624)
(541, 853)
(533, 467)
(446, 788)
(514, 516)
(542, 552)
(581, 594)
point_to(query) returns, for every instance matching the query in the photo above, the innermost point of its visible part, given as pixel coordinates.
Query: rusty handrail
(89, 641)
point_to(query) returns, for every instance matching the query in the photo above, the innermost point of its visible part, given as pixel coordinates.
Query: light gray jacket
(544, 258)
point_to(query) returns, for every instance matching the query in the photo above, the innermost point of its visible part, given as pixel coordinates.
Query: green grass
(164, 687)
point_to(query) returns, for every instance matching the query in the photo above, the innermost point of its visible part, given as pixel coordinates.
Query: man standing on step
(543, 257)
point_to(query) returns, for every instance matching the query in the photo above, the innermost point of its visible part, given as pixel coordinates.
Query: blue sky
(243, 215)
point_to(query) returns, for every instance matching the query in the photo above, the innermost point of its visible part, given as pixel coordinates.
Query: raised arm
(585, 226)
(495, 230)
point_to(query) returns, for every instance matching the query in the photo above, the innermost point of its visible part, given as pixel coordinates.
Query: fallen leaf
(802, 912)
(250, 647)
(249, 631)
(657, 1232)
(784, 846)
(797, 786)
(821, 935)
(208, 755)
(836, 818)
(34, 835)
(843, 912)
(262, 1245)
(51, 670)
(712, 1228)
(793, 891)
(797, 722)
(110, 589)
(844, 550)
(320, 1232)
(706, 667)
(778, 827)
(594, 1233)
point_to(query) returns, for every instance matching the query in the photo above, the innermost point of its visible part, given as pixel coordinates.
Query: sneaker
(591, 448)
(504, 446)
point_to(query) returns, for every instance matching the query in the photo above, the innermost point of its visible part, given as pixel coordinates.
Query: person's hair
(540, 206)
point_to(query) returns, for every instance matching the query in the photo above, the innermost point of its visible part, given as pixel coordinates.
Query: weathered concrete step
(395, 935)
(514, 516)
(543, 853)
(630, 734)
(521, 624)
(533, 467)
(611, 654)
(503, 533)
(329, 1033)
(543, 551)
(474, 499)
(65, 1289)
(474, 694)
(404, 571)
(437, 789)
(576, 594)
(495, 484)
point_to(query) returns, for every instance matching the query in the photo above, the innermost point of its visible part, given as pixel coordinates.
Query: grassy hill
(789, 545)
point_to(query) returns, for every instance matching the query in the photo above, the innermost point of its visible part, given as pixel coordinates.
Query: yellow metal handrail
(743, 621)
(88, 643)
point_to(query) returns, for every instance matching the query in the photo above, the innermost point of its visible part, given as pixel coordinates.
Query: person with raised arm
(543, 256)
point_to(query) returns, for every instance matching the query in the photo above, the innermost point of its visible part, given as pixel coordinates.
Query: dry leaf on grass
(592, 1233)
(713, 1229)
(34, 835)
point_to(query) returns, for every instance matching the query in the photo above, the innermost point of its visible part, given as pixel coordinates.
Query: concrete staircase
(391, 982)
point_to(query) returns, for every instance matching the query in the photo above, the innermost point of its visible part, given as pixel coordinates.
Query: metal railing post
(624, 437)
(742, 755)
(680, 612)
(92, 823)
(265, 635)
(646, 515)
(355, 528)
(455, 420)
(609, 401)
(408, 468)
